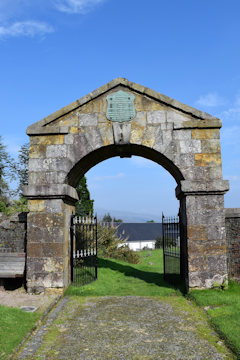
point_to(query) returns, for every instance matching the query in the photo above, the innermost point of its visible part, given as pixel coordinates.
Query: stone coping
(53, 191)
(51, 130)
(198, 187)
(232, 213)
(200, 115)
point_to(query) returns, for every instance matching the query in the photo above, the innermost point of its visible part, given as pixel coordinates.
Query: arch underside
(124, 151)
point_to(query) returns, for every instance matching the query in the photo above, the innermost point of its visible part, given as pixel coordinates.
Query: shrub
(159, 242)
(111, 246)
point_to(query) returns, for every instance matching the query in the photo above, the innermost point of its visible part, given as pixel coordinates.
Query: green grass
(223, 311)
(118, 278)
(14, 326)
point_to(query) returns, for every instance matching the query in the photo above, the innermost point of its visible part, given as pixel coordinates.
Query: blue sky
(52, 52)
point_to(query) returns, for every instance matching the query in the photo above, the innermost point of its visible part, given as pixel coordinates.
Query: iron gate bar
(171, 248)
(83, 250)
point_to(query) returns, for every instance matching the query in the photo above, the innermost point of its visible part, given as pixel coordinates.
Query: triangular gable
(165, 100)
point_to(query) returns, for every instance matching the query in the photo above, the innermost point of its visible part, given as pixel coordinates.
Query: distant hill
(128, 216)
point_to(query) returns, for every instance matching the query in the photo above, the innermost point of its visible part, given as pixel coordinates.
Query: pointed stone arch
(66, 144)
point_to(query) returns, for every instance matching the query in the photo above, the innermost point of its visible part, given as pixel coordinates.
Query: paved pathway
(128, 328)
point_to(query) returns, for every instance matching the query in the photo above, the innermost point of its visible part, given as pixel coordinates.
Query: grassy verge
(118, 278)
(223, 308)
(14, 326)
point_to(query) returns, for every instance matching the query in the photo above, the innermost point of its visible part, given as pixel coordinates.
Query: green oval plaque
(120, 106)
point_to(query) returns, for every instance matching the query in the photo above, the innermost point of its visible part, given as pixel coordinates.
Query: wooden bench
(12, 265)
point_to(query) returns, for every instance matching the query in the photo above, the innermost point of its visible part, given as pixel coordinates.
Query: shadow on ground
(174, 281)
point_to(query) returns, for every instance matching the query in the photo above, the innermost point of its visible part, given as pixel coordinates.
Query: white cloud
(230, 136)
(25, 28)
(142, 162)
(233, 177)
(231, 114)
(75, 6)
(211, 100)
(109, 177)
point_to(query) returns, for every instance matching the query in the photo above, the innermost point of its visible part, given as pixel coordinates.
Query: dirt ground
(19, 297)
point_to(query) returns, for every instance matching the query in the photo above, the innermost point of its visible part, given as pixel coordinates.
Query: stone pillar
(232, 218)
(204, 229)
(48, 235)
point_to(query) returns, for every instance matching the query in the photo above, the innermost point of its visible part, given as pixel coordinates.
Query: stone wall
(13, 233)
(13, 239)
(232, 217)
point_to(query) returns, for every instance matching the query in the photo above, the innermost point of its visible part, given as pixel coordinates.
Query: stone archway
(63, 146)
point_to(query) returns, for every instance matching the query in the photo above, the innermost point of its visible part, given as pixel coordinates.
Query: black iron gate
(171, 248)
(83, 250)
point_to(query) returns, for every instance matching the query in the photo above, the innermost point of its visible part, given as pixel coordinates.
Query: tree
(117, 220)
(107, 218)
(84, 207)
(7, 173)
(22, 167)
(150, 221)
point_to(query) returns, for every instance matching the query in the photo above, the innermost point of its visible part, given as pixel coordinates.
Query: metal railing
(83, 250)
(171, 248)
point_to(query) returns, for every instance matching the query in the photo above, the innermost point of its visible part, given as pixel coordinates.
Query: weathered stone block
(47, 140)
(166, 126)
(69, 139)
(197, 232)
(49, 250)
(149, 136)
(156, 117)
(208, 159)
(76, 130)
(69, 120)
(138, 126)
(78, 150)
(37, 151)
(37, 177)
(44, 234)
(190, 146)
(56, 177)
(93, 137)
(106, 132)
(36, 205)
(46, 220)
(144, 103)
(177, 118)
(205, 134)
(88, 119)
(198, 263)
(211, 146)
(121, 133)
(50, 164)
(56, 151)
(182, 134)
(54, 206)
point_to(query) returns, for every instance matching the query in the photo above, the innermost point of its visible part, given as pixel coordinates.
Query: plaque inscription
(120, 106)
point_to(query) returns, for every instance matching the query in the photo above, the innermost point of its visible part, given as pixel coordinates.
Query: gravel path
(134, 328)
